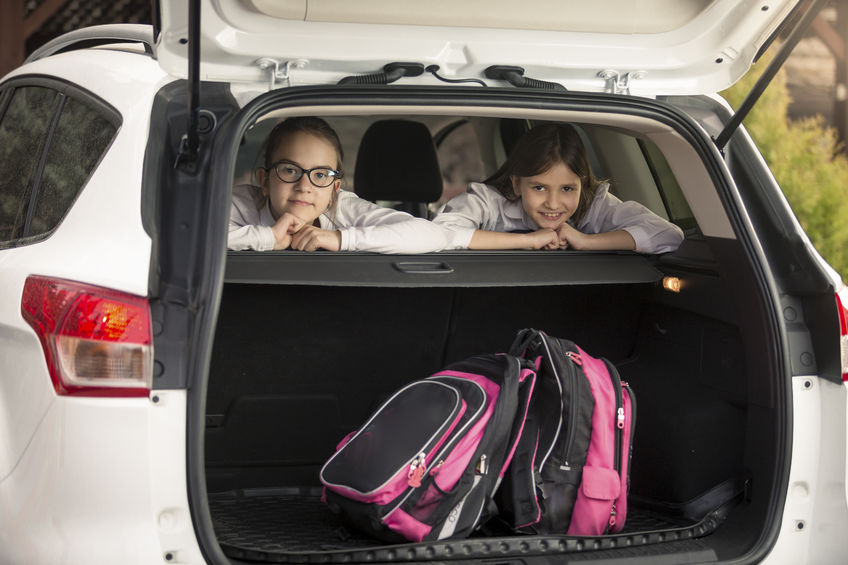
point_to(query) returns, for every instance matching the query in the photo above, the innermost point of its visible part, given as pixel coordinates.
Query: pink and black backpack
(539, 437)
(570, 471)
(426, 464)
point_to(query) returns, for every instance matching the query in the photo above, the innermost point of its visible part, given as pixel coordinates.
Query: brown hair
(304, 124)
(537, 151)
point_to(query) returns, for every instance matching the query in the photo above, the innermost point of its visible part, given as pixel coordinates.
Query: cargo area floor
(294, 522)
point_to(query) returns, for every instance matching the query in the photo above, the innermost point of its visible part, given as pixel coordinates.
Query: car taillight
(841, 302)
(97, 341)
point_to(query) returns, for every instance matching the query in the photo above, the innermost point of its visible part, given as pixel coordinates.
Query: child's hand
(283, 229)
(575, 239)
(545, 238)
(310, 238)
(570, 237)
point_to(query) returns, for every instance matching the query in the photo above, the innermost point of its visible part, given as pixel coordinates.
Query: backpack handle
(524, 340)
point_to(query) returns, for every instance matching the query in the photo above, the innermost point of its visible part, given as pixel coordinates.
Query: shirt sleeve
(365, 226)
(465, 213)
(651, 233)
(246, 230)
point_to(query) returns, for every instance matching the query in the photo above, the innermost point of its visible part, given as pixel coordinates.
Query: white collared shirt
(483, 207)
(363, 225)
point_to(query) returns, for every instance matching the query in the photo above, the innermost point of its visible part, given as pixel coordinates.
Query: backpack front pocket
(390, 451)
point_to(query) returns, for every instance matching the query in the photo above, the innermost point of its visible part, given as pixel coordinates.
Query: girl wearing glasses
(545, 197)
(300, 205)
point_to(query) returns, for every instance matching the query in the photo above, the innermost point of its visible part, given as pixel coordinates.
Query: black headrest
(397, 161)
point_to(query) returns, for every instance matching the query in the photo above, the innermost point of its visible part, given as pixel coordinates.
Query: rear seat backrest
(397, 161)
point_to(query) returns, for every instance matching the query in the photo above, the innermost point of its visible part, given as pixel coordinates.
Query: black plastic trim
(456, 269)
(69, 89)
(175, 212)
(180, 212)
(38, 175)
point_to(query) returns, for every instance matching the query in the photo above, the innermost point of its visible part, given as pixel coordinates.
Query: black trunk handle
(423, 267)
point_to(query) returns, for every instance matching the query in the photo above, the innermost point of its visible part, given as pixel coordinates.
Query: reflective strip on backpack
(453, 518)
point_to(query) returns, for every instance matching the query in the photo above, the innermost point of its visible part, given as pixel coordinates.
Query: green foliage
(807, 161)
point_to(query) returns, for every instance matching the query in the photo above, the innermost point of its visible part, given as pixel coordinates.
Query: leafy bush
(807, 161)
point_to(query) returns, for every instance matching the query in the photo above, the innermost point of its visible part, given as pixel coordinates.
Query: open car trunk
(306, 346)
(297, 365)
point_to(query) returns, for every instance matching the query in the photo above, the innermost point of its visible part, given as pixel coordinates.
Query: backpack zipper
(550, 448)
(417, 466)
(619, 413)
(437, 462)
(632, 397)
(575, 359)
(625, 388)
(619, 428)
(416, 470)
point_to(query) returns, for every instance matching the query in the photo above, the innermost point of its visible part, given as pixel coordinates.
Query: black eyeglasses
(321, 177)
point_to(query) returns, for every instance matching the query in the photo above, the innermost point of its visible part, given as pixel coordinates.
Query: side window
(50, 142)
(23, 130)
(675, 203)
(459, 159)
(80, 139)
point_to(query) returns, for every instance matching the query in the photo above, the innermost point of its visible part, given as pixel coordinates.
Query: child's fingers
(307, 239)
(300, 238)
(292, 222)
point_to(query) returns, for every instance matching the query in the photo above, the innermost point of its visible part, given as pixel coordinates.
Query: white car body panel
(703, 50)
(85, 471)
(812, 528)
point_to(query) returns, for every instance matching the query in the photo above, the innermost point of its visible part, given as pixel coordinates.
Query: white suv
(165, 400)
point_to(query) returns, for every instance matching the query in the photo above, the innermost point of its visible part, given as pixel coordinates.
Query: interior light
(671, 284)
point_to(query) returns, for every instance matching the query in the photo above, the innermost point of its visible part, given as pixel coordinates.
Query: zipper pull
(437, 468)
(416, 471)
(482, 465)
(574, 357)
(620, 418)
(612, 516)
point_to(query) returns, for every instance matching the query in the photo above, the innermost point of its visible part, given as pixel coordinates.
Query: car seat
(397, 162)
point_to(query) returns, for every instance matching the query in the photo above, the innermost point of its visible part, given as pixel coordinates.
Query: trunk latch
(618, 83)
(279, 70)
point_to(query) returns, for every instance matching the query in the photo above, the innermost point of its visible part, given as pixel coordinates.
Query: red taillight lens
(841, 302)
(97, 341)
